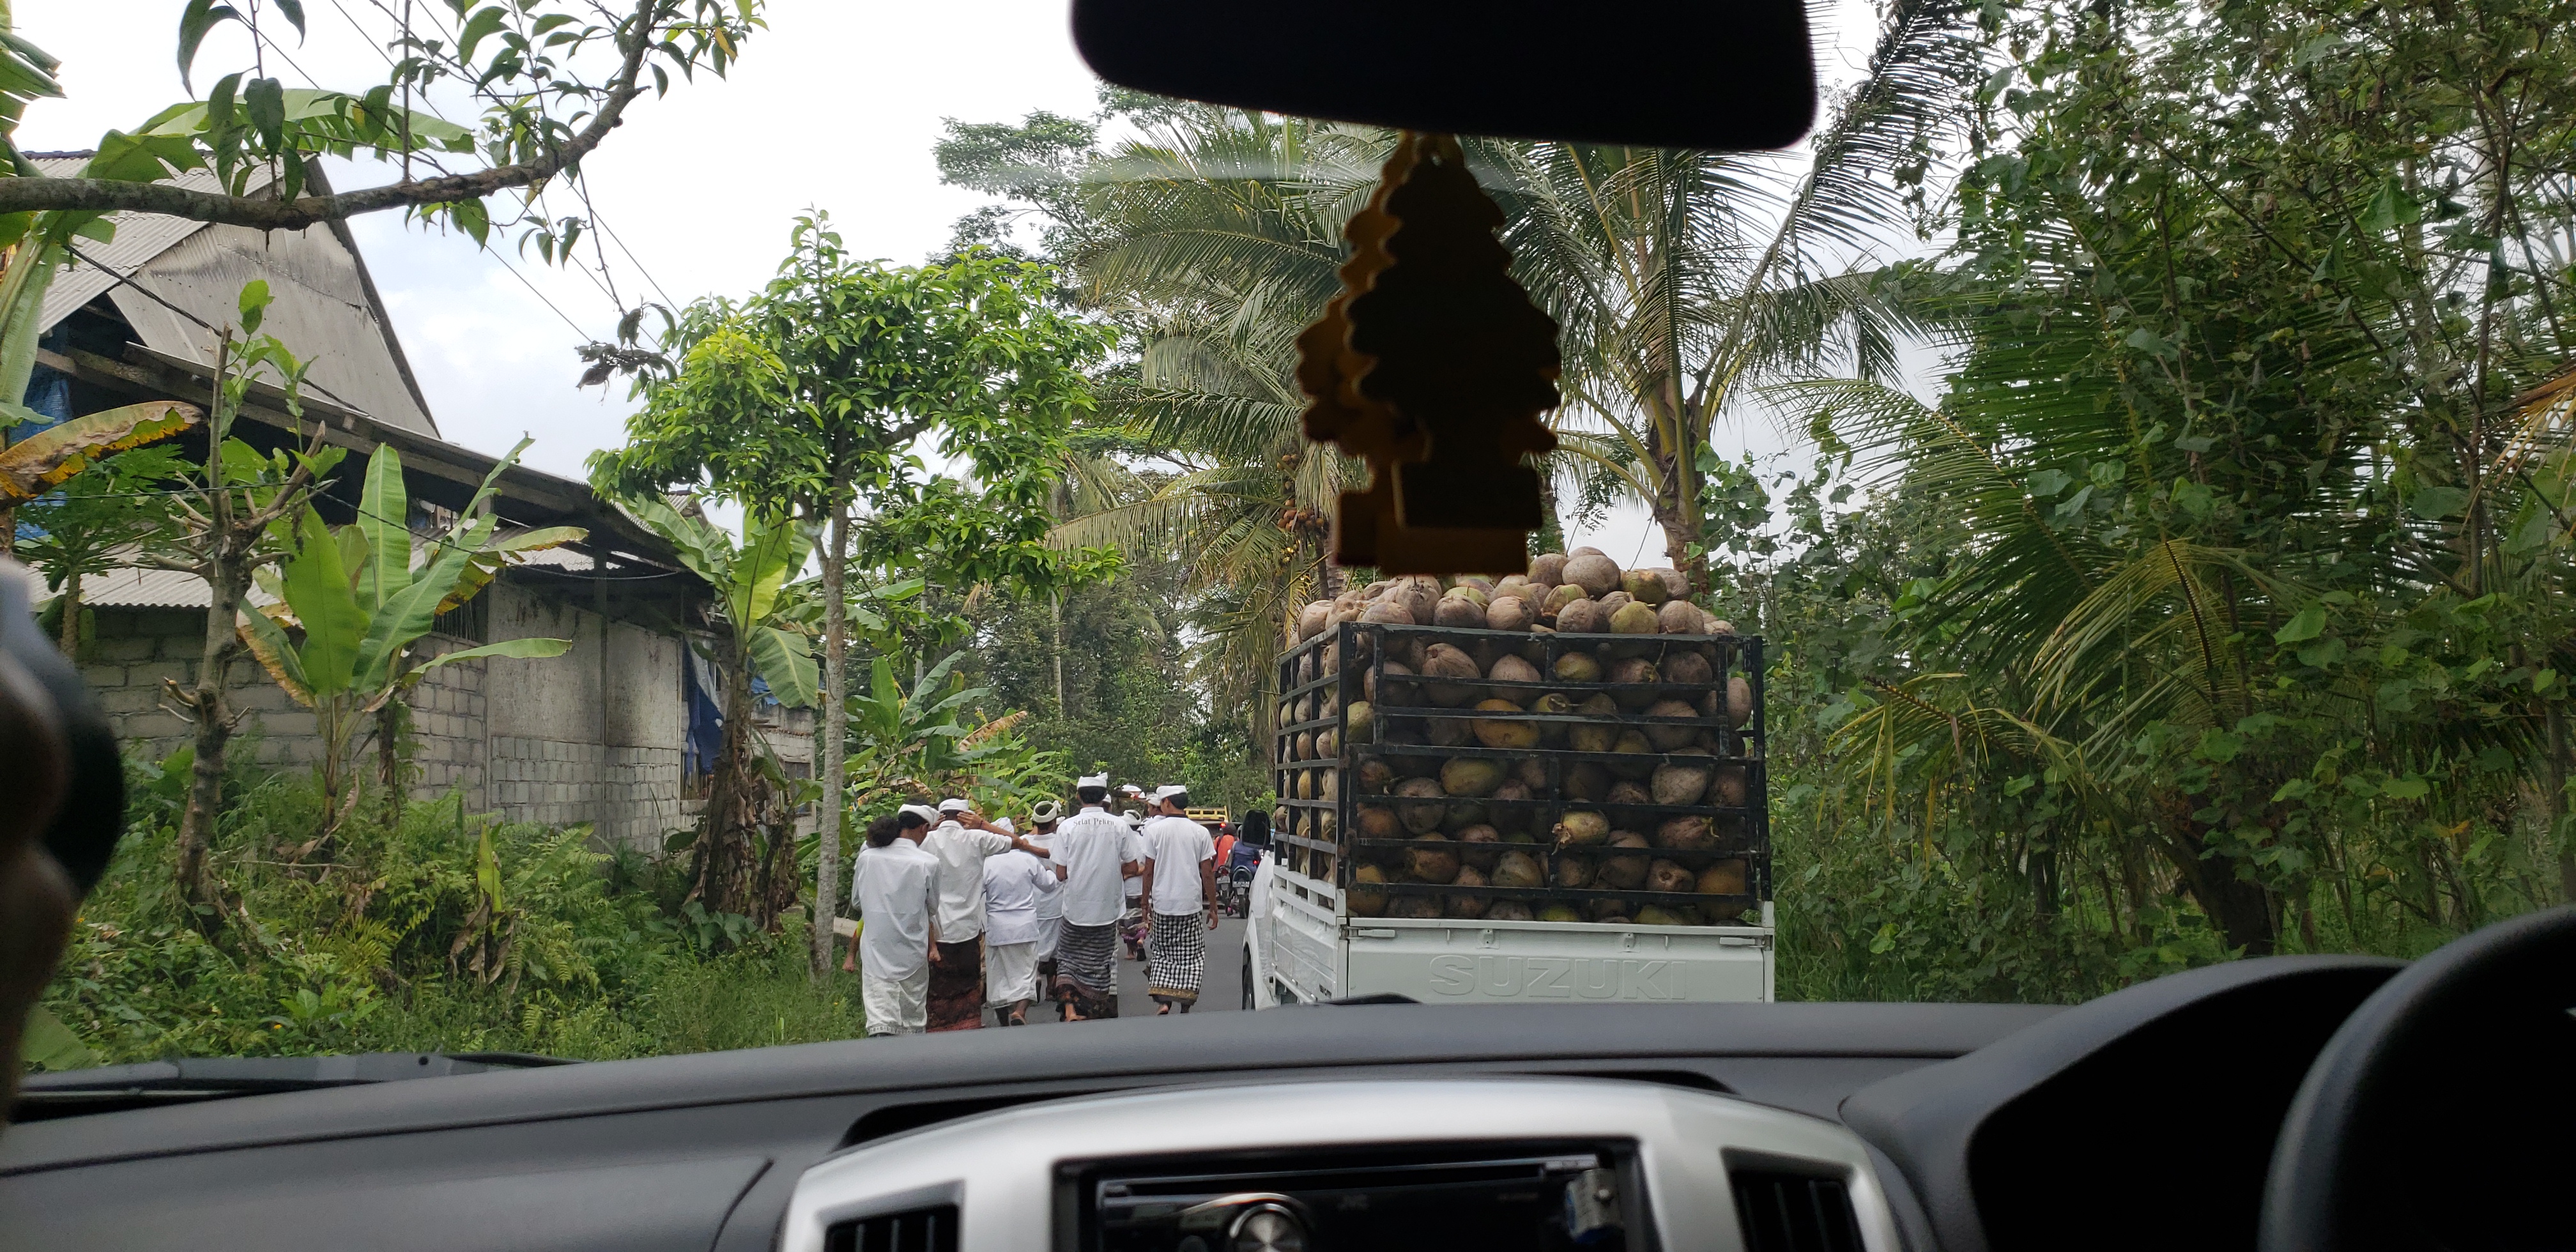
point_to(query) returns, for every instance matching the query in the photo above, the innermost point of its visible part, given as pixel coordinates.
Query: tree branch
(20, 195)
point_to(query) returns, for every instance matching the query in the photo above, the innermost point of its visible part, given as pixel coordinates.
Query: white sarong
(1010, 974)
(896, 1006)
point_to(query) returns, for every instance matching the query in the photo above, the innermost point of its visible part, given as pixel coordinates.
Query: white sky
(834, 107)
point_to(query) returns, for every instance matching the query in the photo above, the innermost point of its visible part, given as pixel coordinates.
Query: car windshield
(613, 530)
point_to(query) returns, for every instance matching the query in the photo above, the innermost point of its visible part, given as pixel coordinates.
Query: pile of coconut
(1579, 593)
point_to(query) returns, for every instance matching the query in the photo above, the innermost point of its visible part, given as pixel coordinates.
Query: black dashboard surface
(701, 1151)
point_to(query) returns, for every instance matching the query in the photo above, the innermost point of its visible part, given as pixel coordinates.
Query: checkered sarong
(1176, 958)
(1087, 968)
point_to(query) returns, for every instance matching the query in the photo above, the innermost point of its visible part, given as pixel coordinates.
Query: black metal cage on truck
(1552, 740)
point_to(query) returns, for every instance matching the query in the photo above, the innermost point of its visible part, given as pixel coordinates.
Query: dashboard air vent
(1794, 1212)
(921, 1230)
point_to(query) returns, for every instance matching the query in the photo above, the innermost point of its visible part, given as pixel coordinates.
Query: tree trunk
(831, 753)
(227, 581)
(71, 614)
(1055, 612)
(2240, 909)
(725, 858)
(1676, 504)
(389, 723)
(1551, 528)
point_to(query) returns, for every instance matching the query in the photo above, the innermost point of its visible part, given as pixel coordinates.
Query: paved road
(1222, 992)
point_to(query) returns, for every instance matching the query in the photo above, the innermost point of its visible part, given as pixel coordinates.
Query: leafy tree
(742, 859)
(357, 599)
(815, 399)
(93, 523)
(933, 739)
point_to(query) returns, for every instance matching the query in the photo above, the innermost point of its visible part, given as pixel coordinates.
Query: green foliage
(450, 933)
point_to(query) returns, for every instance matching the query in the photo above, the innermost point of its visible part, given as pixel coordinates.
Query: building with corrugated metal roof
(610, 733)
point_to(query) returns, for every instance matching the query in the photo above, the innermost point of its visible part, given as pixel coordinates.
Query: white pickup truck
(1301, 947)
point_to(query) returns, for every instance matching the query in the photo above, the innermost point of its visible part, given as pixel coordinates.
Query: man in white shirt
(1131, 924)
(894, 892)
(1014, 883)
(1094, 854)
(1043, 819)
(1180, 890)
(960, 843)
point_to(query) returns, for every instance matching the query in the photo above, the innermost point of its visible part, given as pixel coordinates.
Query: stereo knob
(1268, 1228)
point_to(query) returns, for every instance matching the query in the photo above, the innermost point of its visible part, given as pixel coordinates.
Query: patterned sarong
(1176, 958)
(957, 986)
(1087, 969)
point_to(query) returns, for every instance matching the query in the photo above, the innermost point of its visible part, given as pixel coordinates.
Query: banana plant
(742, 856)
(363, 595)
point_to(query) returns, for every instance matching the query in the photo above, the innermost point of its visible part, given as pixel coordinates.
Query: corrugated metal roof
(324, 308)
(150, 589)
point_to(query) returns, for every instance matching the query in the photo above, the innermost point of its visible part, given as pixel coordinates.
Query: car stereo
(1542, 1198)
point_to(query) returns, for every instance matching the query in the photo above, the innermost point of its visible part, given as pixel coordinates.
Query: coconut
(1423, 907)
(1686, 834)
(1418, 804)
(1459, 609)
(1507, 817)
(1623, 872)
(1393, 670)
(1510, 583)
(1441, 660)
(1460, 904)
(1451, 732)
(1658, 915)
(1591, 737)
(1597, 574)
(1581, 828)
(1626, 792)
(1633, 618)
(1669, 876)
(1645, 586)
(1577, 667)
(1505, 732)
(1721, 878)
(1720, 626)
(1511, 669)
(1614, 601)
(1508, 911)
(1471, 776)
(1328, 742)
(1364, 901)
(1530, 772)
(1509, 612)
(1670, 737)
(1632, 682)
(1548, 568)
(1632, 743)
(1573, 871)
(1552, 733)
(1431, 864)
(1376, 821)
(1729, 786)
(1461, 815)
(1305, 785)
(1559, 913)
(1586, 781)
(1361, 721)
(1305, 745)
(1607, 912)
(1580, 617)
(1419, 594)
(1684, 666)
(1485, 857)
(1375, 776)
(1739, 701)
(1557, 598)
(1312, 620)
(1679, 782)
(1387, 612)
(1679, 617)
(1517, 869)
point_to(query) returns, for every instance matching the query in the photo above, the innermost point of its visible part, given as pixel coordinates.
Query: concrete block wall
(591, 736)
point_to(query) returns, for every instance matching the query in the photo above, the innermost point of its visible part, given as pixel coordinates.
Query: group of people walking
(959, 912)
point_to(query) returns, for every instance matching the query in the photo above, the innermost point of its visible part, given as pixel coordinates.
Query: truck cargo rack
(1320, 837)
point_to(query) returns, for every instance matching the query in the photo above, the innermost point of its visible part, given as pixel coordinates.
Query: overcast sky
(835, 107)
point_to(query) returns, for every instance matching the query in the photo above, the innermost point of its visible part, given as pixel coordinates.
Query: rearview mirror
(1713, 74)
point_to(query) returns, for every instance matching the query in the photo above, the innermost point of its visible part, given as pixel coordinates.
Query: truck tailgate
(1454, 961)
